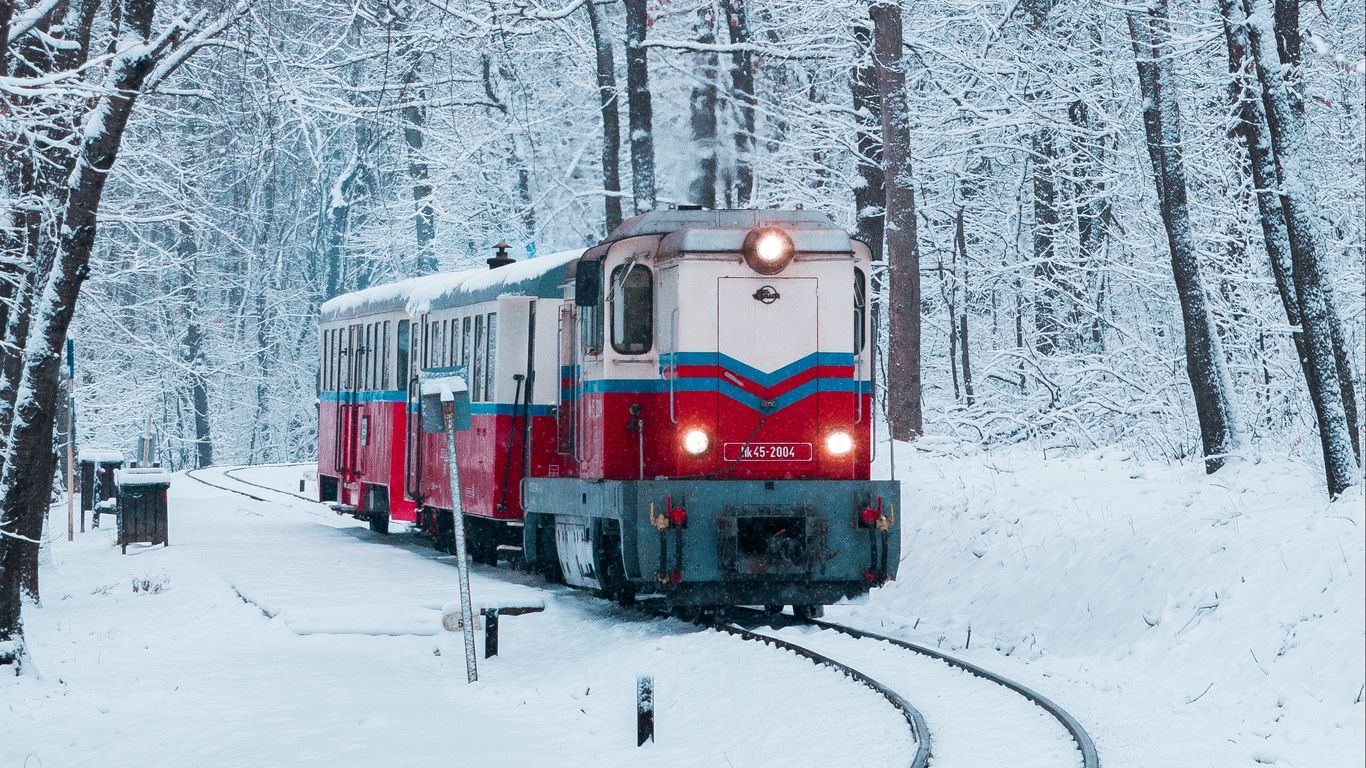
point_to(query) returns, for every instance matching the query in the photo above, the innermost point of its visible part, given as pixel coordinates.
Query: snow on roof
(420, 294)
(100, 455)
(142, 476)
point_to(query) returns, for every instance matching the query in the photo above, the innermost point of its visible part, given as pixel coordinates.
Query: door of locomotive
(766, 333)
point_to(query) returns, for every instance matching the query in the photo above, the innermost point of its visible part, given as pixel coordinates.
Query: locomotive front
(716, 411)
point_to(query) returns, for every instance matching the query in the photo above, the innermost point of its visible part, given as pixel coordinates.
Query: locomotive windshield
(633, 309)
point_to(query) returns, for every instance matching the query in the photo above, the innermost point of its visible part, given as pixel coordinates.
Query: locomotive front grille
(758, 542)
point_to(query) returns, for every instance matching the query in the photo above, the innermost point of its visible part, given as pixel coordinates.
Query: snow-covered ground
(347, 671)
(1186, 620)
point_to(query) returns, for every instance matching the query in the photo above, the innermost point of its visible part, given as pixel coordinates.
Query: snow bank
(1185, 618)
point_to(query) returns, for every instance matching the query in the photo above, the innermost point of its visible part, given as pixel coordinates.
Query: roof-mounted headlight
(768, 250)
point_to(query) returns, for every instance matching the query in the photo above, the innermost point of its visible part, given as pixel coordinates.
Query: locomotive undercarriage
(688, 543)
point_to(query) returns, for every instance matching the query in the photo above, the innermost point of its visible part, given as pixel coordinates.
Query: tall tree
(905, 409)
(870, 194)
(702, 111)
(1289, 144)
(26, 473)
(742, 88)
(611, 119)
(1220, 432)
(640, 113)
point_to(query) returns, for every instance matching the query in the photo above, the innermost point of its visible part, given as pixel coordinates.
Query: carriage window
(491, 363)
(860, 310)
(371, 353)
(465, 345)
(633, 309)
(402, 361)
(475, 394)
(455, 342)
(384, 358)
(372, 357)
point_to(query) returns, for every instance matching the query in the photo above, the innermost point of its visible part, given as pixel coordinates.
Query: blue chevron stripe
(762, 378)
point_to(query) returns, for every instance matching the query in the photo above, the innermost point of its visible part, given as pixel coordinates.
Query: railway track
(996, 716)
(193, 475)
(856, 653)
(914, 720)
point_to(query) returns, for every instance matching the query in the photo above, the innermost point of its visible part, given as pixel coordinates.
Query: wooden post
(490, 633)
(71, 441)
(645, 709)
(462, 568)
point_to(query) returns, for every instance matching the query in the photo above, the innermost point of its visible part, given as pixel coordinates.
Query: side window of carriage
(588, 300)
(860, 310)
(632, 301)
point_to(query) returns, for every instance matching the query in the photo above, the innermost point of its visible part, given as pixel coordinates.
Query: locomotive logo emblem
(767, 295)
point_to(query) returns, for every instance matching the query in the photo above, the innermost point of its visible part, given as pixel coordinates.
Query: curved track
(1090, 758)
(997, 719)
(916, 722)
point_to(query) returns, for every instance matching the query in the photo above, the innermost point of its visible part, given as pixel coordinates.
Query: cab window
(860, 310)
(632, 301)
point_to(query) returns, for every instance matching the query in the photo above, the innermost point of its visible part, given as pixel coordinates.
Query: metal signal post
(458, 516)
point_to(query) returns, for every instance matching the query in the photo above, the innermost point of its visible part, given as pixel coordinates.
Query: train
(681, 413)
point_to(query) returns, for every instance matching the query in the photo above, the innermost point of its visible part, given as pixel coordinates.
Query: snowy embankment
(276, 634)
(1185, 619)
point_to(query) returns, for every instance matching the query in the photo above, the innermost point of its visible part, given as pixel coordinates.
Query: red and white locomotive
(682, 412)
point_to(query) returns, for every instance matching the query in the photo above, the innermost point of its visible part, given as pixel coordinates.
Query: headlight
(838, 443)
(767, 250)
(696, 442)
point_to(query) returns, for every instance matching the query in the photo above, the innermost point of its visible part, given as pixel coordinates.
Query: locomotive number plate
(767, 452)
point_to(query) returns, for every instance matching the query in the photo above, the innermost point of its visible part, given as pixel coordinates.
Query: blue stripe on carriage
(399, 396)
(509, 409)
(374, 396)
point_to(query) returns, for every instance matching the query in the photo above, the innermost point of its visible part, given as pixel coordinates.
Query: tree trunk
(192, 346)
(702, 114)
(26, 475)
(870, 194)
(1317, 314)
(961, 246)
(903, 255)
(640, 113)
(1048, 297)
(414, 135)
(742, 85)
(1220, 433)
(611, 120)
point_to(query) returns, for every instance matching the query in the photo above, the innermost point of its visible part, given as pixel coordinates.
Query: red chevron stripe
(768, 393)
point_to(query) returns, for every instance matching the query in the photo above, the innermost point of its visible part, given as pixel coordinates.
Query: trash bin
(142, 493)
(97, 466)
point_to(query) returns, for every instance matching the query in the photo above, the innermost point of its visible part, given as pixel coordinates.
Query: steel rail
(229, 473)
(1089, 757)
(919, 731)
(190, 473)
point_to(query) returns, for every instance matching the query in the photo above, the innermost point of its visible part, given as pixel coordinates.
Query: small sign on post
(645, 709)
(448, 385)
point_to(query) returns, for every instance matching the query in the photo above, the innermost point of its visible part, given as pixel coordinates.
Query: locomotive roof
(663, 222)
(539, 276)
